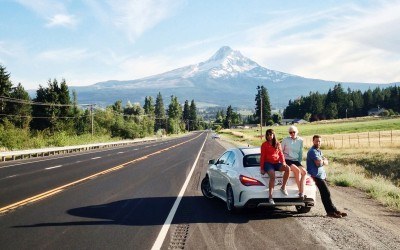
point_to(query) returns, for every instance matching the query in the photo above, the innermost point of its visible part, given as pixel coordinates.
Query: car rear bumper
(308, 202)
(259, 197)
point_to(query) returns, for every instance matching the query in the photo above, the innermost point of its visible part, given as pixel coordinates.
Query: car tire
(303, 209)
(206, 188)
(230, 200)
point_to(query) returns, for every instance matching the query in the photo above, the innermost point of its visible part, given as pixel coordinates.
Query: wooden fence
(358, 140)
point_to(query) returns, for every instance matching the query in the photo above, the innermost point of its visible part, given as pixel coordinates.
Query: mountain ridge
(226, 78)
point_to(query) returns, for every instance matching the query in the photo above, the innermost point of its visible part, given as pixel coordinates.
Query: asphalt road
(126, 208)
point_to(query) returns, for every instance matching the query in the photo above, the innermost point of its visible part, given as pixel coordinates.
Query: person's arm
(283, 144)
(281, 156)
(320, 161)
(301, 151)
(262, 160)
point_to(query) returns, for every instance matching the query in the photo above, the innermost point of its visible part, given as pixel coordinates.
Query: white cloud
(65, 55)
(138, 67)
(347, 43)
(43, 7)
(134, 17)
(54, 12)
(62, 20)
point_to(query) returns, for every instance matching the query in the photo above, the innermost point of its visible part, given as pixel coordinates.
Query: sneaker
(334, 215)
(343, 214)
(284, 191)
(271, 201)
(301, 196)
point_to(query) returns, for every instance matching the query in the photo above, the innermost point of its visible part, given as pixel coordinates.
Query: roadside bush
(59, 139)
(217, 128)
(13, 138)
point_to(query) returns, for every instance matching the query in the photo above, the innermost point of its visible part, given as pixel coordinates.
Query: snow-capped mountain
(226, 78)
(224, 64)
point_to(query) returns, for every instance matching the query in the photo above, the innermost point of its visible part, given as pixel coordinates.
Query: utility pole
(261, 115)
(91, 116)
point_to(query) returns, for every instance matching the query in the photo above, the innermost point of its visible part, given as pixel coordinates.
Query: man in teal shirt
(315, 167)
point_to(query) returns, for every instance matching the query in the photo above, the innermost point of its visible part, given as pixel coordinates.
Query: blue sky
(90, 41)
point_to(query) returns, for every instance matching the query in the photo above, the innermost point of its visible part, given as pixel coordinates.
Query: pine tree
(263, 97)
(148, 105)
(64, 98)
(21, 111)
(193, 115)
(117, 107)
(159, 112)
(186, 115)
(52, 115)
(368, 101)
(174, 115)
(228, 117)
(5, 88)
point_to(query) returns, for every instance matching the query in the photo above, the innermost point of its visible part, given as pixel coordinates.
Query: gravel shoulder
(369, 225)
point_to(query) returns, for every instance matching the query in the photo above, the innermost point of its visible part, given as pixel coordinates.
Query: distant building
(293, 121)
(376, 111)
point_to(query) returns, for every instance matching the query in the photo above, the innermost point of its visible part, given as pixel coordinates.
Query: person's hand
(324, 160)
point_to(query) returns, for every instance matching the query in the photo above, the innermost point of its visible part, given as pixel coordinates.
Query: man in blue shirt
(315, 167)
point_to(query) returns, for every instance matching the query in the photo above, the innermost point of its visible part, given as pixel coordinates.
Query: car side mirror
(212, 162)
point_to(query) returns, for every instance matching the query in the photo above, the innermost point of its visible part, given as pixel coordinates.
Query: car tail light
(247, 181)
(309, 181)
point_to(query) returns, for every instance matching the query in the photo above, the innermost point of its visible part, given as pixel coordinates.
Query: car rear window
(251, 160)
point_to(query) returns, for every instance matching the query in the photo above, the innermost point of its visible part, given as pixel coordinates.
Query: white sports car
(236, 179)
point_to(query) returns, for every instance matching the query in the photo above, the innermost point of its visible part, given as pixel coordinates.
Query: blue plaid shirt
(312, 168)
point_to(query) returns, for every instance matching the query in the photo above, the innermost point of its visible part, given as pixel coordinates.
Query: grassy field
(344, 127)
(372, 166)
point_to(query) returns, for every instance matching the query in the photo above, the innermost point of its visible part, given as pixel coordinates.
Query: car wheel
(230, 201)
(206, 188)
(303, 209)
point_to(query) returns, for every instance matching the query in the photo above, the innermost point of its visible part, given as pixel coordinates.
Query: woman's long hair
(274, 142)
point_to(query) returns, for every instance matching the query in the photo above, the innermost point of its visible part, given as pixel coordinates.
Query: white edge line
(94, 158)
(58, 166)
(164, 230)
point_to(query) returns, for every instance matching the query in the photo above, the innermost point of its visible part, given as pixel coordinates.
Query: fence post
(368, 140)
(391, 137)
(342, 141)
(379, 138)
(358, 138)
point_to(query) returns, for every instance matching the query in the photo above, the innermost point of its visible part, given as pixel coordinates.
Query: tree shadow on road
(154, 211)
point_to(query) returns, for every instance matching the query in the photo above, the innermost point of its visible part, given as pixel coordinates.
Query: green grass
(344, 126)
(18, 139)
(377, 187)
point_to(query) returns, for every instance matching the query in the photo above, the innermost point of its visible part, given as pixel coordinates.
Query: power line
(44, 117)
(22, 101)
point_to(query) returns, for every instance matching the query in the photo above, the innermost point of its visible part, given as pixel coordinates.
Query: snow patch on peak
(222, 53)
(227, 63)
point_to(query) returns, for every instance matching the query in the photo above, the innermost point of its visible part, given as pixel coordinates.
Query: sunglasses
(292, 132)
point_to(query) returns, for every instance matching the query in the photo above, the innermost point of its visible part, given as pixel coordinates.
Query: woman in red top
(272, 160)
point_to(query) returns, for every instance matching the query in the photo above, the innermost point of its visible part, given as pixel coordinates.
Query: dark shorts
(272, 166)
(289, 162)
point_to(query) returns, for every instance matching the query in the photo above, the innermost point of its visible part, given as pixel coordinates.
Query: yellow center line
(93, 176)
